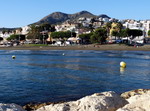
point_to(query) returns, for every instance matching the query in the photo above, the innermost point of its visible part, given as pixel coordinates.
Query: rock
(128, 94)
(10, 107)
(30, 107)
(138, 101)
(106, 101)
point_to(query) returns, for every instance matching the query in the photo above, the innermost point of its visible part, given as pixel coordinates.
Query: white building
(5, 35)
(25, 30)
(146, 26)
(65, 27)
(141, 25)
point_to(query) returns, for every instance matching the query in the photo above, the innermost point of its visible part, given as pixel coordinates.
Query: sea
(67, 75)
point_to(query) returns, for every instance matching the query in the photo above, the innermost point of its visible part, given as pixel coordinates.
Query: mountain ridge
(59, 17)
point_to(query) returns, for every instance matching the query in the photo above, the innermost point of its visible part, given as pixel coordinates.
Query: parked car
(68, 43)
(110, 41)
(118, 41)
(135, 44)
(57, 43)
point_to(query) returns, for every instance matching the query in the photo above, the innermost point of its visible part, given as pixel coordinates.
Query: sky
(19, 13)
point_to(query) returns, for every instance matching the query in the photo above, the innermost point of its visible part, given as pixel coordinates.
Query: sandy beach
(81, 47)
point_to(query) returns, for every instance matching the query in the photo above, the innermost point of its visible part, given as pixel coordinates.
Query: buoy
(13, 57)
(63, 54)
(123, 64)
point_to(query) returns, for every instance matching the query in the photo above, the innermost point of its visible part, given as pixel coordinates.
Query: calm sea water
(41, 76)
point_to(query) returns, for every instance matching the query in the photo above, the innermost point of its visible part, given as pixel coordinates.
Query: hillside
(59, 17)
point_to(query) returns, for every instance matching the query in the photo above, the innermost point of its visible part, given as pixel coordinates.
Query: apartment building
(143, 25)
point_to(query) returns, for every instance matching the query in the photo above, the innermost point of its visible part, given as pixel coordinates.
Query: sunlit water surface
(58, 75)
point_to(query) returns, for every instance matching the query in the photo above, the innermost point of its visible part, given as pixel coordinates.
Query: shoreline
(117, 47)
(103, 101)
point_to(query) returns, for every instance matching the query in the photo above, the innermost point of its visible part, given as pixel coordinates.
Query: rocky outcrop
(138, 100)
(129, 94)
(10, 107)
(106, 101)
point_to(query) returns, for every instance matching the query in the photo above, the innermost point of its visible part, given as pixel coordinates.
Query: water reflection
(122, 70)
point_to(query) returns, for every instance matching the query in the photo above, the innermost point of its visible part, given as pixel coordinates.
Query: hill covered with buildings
(82, 22)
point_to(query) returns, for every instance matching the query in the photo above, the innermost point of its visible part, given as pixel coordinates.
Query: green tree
(9, 31)
(115, 27)
(62, 34)
(85, 37)
(119, 26)
(91, 26)
(108, 27)
(134, 33)
(99, 36)
(149, 33)
(115, 33)
(47, 27)
(16, 37)
(34, 32)
(20, 30)
(40, 31)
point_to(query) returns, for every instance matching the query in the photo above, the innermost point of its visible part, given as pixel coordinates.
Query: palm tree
(20, 30)
(119, 26)
(108, 27)
(116, 28)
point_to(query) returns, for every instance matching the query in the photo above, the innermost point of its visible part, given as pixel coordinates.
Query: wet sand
(81, 47)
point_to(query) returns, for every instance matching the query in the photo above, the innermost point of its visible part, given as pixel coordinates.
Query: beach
(81, 47)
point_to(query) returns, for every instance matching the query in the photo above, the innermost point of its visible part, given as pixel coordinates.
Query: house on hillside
(25, 30)
(66, 26)
(5, 34)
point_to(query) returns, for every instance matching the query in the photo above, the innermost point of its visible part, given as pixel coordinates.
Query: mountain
(59, 17)
(54, 18)
(85, 14)
(103, 16)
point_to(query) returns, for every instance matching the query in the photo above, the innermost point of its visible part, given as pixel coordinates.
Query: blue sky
(18, 13)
